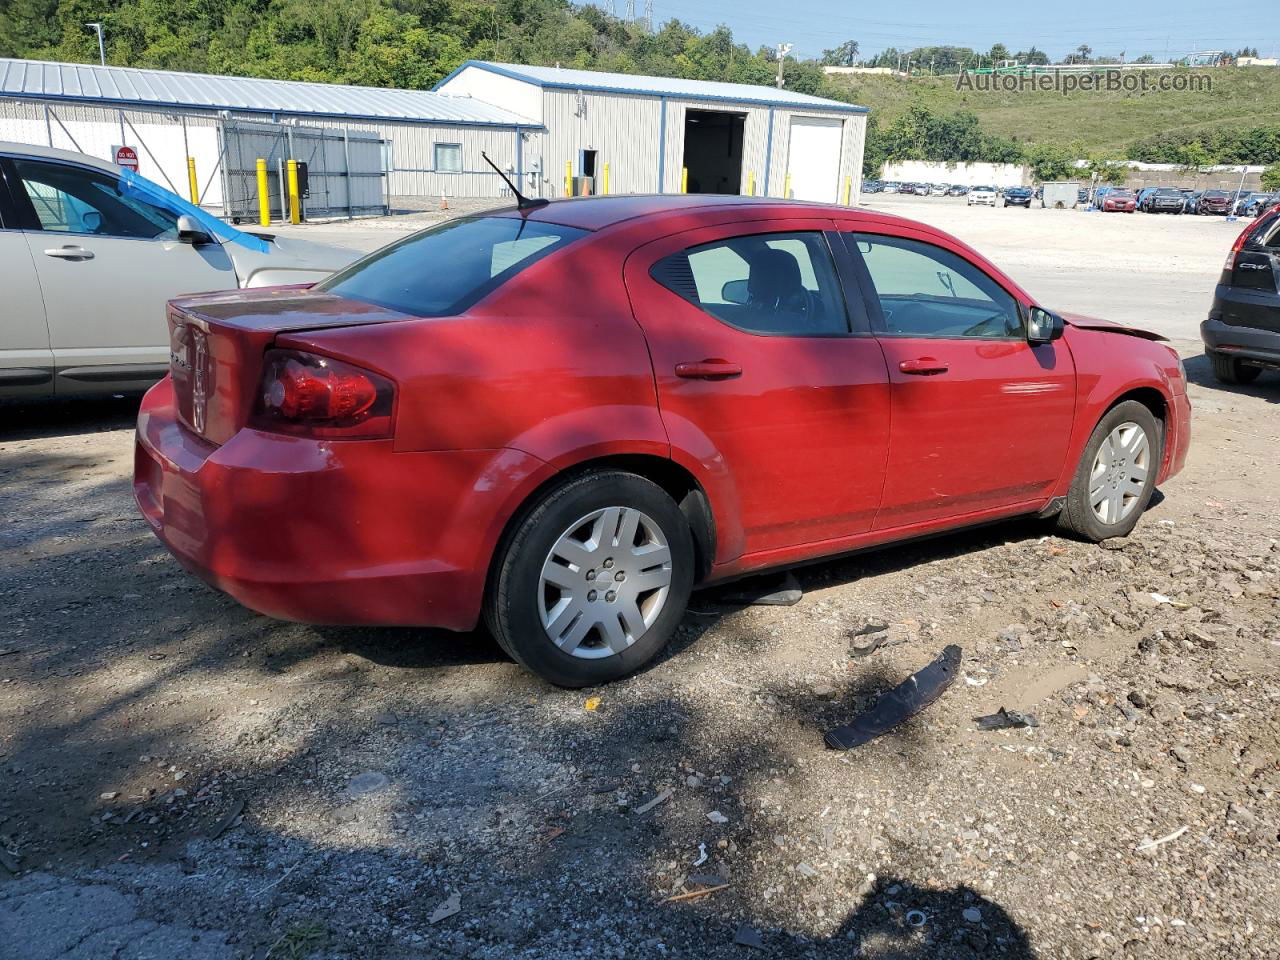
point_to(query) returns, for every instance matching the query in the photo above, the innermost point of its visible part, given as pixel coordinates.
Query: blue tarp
(132, 183)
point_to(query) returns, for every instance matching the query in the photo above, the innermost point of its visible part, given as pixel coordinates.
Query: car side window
(770, 283)
(69, 199)
(925, 291)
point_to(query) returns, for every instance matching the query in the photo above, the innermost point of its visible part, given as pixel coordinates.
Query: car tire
(521, 600)
(1230, 369)
(1078, 515)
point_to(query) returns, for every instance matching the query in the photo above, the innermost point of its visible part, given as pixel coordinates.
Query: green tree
(845, 55)
(1271, 177)
(1049, 162)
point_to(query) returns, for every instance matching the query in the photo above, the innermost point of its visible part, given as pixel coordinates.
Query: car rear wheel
(1231, 370)
(1116, 475)
(593, 580)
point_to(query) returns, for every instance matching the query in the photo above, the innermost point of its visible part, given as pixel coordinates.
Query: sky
(1181, 26)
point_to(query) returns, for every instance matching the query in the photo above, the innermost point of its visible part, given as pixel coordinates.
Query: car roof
(596, 213)
(55, 153)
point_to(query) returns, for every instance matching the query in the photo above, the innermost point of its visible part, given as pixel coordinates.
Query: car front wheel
(1116, 476)
(593, 580)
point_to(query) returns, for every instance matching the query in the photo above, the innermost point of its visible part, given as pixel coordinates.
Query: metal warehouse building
(427, 144)
(367, 148)
(661, 135)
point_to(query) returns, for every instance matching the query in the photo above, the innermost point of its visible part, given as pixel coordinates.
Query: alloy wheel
(1119, 474)
(604, 582)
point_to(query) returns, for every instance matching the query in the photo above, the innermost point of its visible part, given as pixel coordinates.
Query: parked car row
(1179, 200)
(917, 189)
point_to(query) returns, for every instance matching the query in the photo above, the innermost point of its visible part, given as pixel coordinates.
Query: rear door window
(447, 268)
(776, 283)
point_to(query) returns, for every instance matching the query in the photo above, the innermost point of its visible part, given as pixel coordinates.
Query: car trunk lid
(216, 344)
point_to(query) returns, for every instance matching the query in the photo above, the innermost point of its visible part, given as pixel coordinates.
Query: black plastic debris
(1004, 719)
(871, 636)
(748, 936)
(784, 591)
(901, 703)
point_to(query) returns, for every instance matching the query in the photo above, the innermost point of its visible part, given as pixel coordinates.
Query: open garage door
(813, 159)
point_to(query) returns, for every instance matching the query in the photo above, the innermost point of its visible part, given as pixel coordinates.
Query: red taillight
(1237, 247)
(305, 393)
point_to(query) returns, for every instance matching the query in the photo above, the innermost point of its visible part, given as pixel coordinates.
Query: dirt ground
(182, 778)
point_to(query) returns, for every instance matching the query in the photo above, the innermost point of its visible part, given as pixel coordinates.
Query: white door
(26, 362)
(813, 160)
(107, 262)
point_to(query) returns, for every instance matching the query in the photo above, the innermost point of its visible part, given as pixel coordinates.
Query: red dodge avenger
(562, 417)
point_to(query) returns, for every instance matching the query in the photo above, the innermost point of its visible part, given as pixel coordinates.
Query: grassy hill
(1240, 97)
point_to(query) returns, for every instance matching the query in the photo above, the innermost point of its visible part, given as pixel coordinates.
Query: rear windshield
(447, 268)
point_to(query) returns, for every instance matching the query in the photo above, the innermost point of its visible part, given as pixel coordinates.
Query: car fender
(1104, 374)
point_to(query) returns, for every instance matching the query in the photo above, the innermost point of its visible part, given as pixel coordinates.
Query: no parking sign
(126, 157)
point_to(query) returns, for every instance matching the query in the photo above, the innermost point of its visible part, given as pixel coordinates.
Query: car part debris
(446, 909)
(785, 592)
(223, 825)
(1004, 719)
(748, 936)
(702, 855)
(901, 703)
(664, 796)
(874, 634)
(917, 918)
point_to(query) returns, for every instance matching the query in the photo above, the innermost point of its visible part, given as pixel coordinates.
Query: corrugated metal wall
(164, 139)
(625, 130)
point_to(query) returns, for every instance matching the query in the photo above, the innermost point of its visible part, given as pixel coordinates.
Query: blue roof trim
(171, 106)
(502, 71)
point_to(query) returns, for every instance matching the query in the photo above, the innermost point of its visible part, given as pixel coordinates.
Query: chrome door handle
(69, 252)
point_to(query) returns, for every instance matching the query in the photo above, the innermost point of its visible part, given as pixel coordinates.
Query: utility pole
(783, 50)
(102, 50)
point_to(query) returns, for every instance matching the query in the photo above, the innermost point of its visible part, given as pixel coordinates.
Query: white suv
(89, 257)
(985, 195)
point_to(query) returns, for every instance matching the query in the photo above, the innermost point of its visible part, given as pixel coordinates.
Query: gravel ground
(183, 778)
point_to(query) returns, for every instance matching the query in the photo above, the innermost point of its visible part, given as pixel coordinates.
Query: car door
(981, 418)
(762, 376)
(26, 360)
(107, 262)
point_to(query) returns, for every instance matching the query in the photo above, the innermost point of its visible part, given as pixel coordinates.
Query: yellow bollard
(684, 179)
(751, 183)
(264, 195)
(568, 178)
(191, 179)
(786, 188)
(848, 189)
(605, 191)
(295, 207)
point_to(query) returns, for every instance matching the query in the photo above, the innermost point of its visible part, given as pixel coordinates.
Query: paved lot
(182, 778)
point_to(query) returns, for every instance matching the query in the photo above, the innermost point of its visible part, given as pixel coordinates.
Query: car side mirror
(190, 231)
(735, 291)
(1043, 326)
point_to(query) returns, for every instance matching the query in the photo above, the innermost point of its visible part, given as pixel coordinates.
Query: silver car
(90, 254)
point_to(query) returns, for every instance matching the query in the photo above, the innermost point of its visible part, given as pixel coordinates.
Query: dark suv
(1164, 200)
(1242, 334)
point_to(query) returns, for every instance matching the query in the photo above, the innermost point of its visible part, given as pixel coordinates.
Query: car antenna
(522, 202)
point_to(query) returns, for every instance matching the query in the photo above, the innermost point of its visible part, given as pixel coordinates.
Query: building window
(448, 158)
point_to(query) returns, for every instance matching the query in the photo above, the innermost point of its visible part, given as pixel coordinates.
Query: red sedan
(1119, 201)
(562, 419)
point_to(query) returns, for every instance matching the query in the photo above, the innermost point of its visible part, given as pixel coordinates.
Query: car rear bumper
(335, 532)
(1247, 343)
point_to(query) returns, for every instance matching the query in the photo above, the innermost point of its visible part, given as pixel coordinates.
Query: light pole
(102, 50)
(783, 50)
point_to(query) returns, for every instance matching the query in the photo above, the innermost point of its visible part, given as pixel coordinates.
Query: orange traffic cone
(444, 202)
